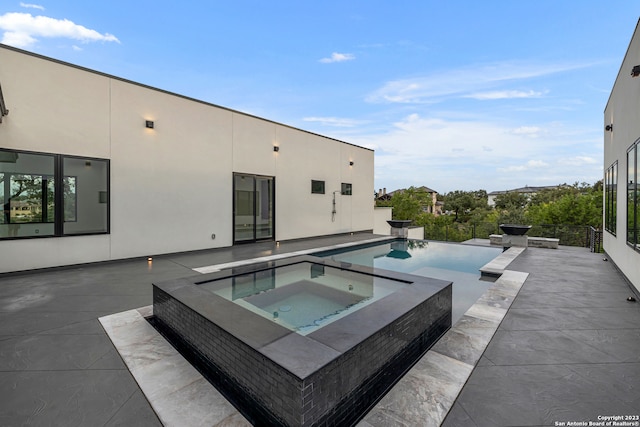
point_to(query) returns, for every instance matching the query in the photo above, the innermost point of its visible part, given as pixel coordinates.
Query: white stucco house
(95, 168)
(621, 237)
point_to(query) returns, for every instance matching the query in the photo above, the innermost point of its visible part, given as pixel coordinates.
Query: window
(610, 194)
(346, 189)
(85, 183)
(317, 187)
(52, 195)
(633, 202)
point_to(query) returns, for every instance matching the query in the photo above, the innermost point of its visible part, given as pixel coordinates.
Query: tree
(411, 203)
(511, 200)
(579, 204)
(463, 203)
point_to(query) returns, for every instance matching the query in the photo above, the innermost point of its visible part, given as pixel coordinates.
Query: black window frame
(314, 186)
(346, 189)
(610, 198)
(633, 199)
(59, 201)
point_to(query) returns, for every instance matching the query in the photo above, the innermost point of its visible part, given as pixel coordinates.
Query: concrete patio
(567, 350)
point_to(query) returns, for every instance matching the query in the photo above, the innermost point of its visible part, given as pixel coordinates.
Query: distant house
(526, 190)
(436, 207)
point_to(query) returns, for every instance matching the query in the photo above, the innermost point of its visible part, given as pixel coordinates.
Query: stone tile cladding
(338, 393)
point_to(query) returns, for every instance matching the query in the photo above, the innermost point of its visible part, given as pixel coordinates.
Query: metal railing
(569, 235)
(595, 243)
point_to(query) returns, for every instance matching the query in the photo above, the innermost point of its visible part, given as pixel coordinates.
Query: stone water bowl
(399, 223)
(515, 229)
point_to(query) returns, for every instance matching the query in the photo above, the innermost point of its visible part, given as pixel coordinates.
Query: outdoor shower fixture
(333, 211)
(3, 108)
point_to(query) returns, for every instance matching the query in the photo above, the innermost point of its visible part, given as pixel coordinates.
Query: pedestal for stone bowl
(515, 235)
(399, 227)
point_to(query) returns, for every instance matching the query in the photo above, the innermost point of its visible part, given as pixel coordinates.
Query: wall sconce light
(609, 128)
(87, 164)
(351, 163)
(276, 148)
(635, 71)
(148, 124)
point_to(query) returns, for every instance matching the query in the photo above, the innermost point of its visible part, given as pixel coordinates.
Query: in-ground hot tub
(303, 341)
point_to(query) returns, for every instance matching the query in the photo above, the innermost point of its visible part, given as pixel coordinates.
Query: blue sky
(460, 95)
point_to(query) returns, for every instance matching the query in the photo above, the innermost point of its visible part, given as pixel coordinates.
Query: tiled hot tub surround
(278, 376)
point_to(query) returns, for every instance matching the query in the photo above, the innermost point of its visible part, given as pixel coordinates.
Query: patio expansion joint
(181, 396)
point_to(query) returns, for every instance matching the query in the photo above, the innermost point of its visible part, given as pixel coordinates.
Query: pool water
(447, 261)
(305, 296)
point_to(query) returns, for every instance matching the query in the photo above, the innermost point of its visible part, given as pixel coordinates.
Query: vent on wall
(3, 106)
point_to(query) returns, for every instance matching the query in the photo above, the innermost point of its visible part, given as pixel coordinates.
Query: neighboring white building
(104, 169)
(621, 238)
(526, 190)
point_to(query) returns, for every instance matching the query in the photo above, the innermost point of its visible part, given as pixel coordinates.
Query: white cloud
(505, 94)
(529, 131)
(338, 57)
(472, 153)
(31, 6)
(467, 82)
(23, 30)
(530, 165)
(334, 121)
(579, 161)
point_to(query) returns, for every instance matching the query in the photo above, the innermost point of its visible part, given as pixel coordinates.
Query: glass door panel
(253, 207)
(264, 208)
(244, 208)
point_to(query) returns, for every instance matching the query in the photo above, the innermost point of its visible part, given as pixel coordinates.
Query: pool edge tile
(190, 399)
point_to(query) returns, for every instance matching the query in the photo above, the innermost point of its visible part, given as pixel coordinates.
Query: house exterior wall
(622, 111)
(171, 187)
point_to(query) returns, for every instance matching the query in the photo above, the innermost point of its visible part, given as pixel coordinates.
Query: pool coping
(181, 396)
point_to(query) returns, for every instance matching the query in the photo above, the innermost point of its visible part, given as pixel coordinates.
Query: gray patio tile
(571, 318)
(619, 380)
(135, 412)
(560, 281)
(485, 362)
(75, 303)
(63, 398)
(31, 323)
(621, 344)
(458, 417)
(545, 348)
(601, 299)
(57, 352)
(86, 327)
(535, 395)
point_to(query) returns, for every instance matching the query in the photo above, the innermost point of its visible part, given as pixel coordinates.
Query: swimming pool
(303, 297)
(447, 261)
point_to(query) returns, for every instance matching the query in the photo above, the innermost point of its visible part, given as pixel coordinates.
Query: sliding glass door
(253, 207)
